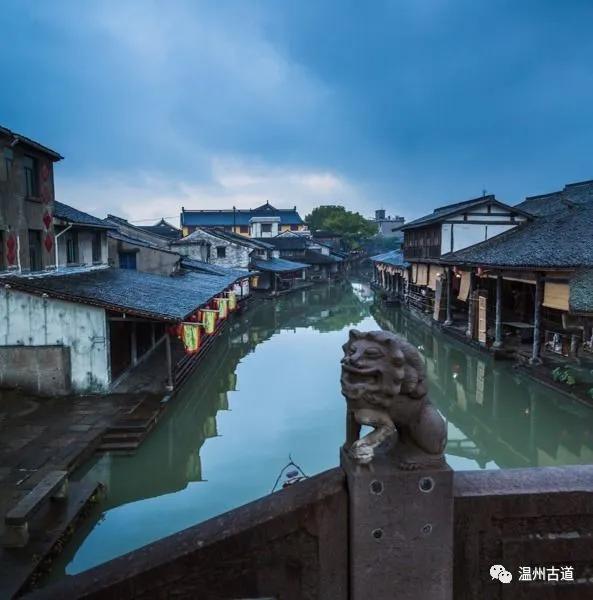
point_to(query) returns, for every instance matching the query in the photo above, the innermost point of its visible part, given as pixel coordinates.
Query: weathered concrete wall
(43, 370)
(85, 247)
(148, 260)
(291, 545)
(30, 320)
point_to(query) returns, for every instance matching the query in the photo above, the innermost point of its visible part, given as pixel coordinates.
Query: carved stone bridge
(393, 521)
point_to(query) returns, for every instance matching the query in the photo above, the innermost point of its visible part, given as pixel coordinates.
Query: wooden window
(97, 254)
(127, 260)
(30, 168)
(71, 247)
(244, 229)
(220, 251)
(34, 250)
(7, 163)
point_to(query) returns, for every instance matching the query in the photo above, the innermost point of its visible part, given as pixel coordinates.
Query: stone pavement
(38, 435)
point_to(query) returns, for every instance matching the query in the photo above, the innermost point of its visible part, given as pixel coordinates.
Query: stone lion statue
(383, 381)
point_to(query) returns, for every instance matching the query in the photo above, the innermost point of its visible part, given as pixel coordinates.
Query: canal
(270, 389)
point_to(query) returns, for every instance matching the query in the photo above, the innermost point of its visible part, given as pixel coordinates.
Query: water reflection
(270, 387)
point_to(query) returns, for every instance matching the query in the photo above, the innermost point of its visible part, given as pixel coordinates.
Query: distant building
(263, 221)
(387, 226)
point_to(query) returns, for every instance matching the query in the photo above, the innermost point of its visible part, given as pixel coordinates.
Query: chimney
(379, 215)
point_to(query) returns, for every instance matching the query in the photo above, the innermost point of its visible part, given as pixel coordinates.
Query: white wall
(468, 234)
(85, 247)
(31, 320)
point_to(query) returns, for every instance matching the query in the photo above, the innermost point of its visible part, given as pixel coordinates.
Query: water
(270, 388)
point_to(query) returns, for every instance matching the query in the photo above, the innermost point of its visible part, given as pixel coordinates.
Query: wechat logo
(500, 573)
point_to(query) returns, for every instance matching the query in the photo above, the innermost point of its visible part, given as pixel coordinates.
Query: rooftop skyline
(405, 107)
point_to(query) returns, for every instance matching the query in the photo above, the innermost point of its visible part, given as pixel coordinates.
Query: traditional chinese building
(26, 203)
(263, 221)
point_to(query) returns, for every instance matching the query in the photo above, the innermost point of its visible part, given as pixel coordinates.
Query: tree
(352, 226)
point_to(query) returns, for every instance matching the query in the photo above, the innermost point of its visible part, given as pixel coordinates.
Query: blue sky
(402, 105)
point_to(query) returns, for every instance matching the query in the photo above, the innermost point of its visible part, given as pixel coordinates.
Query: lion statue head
(378, 366)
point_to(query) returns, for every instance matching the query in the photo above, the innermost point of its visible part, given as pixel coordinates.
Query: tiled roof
(547, 204)
(277, 265)
(443, 212)
(393, 257)
(70, 214)
(29, 142)
(129, 291)
(204, 267)
(195, 237)
(226, 218)
(563, 239)
(128, 239)
(313, 257)
(163, 228)
(292, 242)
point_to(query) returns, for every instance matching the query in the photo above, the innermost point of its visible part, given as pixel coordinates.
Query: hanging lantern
(191, 337)
(11, 249)
(223, 307)
(209, 320)
(232, 299)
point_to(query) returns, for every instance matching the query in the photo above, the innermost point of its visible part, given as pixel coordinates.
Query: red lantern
(11, 249)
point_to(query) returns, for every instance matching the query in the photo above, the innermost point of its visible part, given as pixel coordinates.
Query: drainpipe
(56, 241)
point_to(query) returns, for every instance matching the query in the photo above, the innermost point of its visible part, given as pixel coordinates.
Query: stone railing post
(401, 531)
(400, 488)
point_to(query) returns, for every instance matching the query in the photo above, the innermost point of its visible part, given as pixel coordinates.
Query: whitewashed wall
(30, 320)
(85, 248)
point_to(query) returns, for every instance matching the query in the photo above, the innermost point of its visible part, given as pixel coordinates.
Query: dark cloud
(410, 104)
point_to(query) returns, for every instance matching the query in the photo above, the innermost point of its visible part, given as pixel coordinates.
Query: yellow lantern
(232, 301)
(223, 307)
(208, 319)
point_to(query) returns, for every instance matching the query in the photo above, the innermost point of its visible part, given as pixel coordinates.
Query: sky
(401, 105)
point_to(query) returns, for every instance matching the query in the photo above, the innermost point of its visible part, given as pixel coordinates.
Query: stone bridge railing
(356, 533)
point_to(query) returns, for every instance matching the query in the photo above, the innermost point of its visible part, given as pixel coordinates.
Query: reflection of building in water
(497, 415)
(173, 449)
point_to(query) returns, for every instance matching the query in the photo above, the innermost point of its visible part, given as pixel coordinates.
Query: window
(97, 254)
(34, 250)
(244, 229)
(2, 265)
(8, 157)
(127, 260)
(294, 228)
(220, 251)
(71, 247)
(266, 228)
(30, 166)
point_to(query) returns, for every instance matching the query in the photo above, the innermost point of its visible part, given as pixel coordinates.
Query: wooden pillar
(449, 298)
(537, 319)
(471, 307)
(170, 383)
(134, 344)
(498, 324)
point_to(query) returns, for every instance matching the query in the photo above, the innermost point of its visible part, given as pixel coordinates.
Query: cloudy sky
(402, 105)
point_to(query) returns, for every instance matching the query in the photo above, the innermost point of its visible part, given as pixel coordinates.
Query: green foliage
(564, 375)
(590, 392)
(353, 227)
